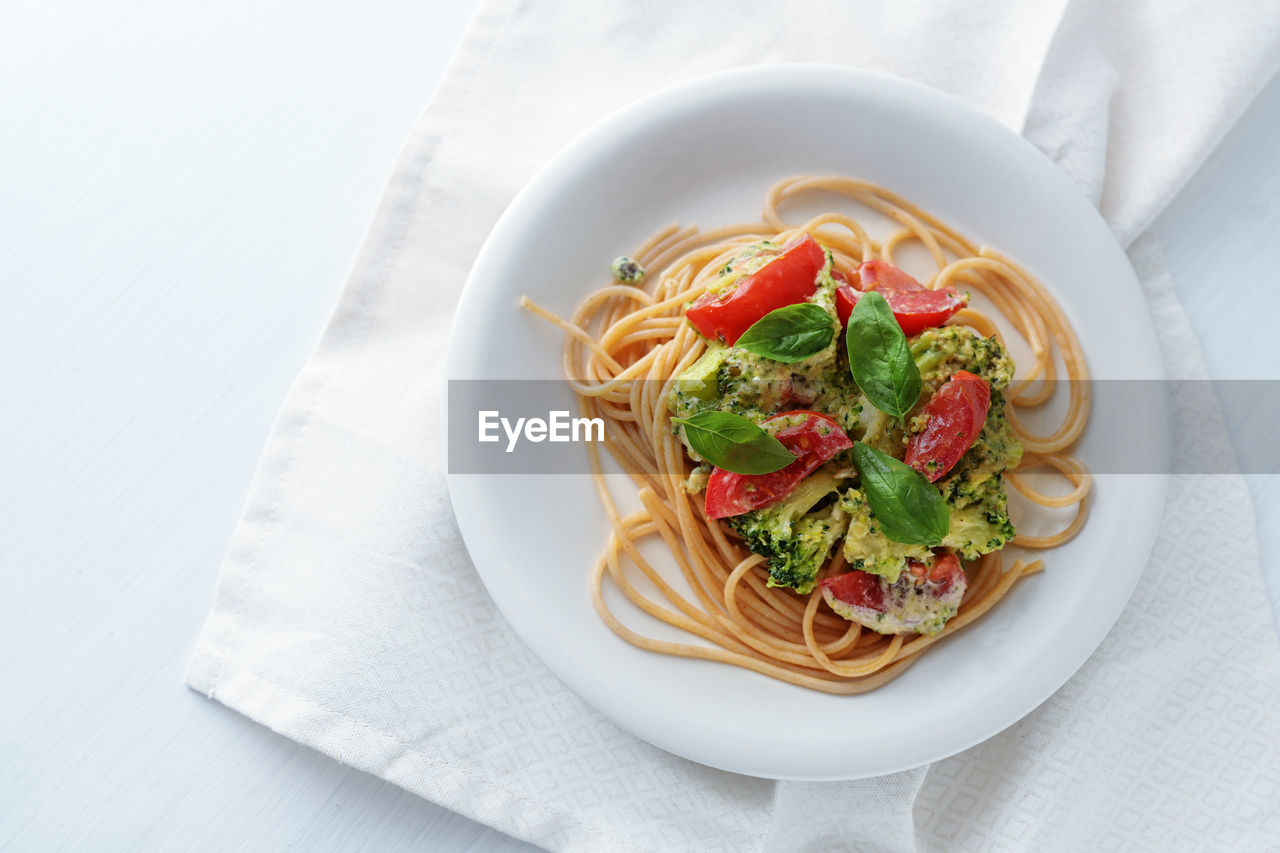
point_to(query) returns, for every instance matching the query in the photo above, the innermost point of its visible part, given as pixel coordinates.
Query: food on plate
(822, 440)
(626, 270)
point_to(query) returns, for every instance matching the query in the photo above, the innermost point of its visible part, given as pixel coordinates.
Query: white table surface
(182, 189)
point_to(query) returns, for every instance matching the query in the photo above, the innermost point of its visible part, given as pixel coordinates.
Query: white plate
(705, 152)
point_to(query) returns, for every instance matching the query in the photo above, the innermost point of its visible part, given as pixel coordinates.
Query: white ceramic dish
(705, 152)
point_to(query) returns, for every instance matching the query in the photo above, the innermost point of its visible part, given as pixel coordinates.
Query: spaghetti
(624, 347)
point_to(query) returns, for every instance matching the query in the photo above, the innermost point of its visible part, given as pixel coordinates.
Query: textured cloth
(349, 618)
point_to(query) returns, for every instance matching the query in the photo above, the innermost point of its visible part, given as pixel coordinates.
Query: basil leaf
(879, 357)
(909, 508)
(790, 334)
(734, 443)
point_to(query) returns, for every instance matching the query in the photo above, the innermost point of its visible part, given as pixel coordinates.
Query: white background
(182, 190)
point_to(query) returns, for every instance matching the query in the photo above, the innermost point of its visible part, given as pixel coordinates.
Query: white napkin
(349, 618)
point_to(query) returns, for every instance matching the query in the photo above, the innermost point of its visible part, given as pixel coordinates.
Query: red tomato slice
(882, 276)
(787, 279)
(944, 574)
(857, 588)
(811, 436)
(915, 310)
(946, 571)
(914, 306)
(846, 298)
(956, 413)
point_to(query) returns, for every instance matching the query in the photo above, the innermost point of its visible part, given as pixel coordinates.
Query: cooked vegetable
(699, 381)
(794, 537)
(939, 353)
(976, 493)
(732, 379)
(813, 439)
(981, 524)
(627, 271)
(885, 277)
(914, 306)
(910, 509)
(922, 599)
(865, 545)
(788, 278)
(955, 416)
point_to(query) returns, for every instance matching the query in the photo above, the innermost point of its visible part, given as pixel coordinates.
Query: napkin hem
(327, 731)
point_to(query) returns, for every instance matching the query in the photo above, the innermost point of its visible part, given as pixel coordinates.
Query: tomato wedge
(856, 589)
(882, 276)
(789, 278)
(811, 436)
(946, 572)
(915, 310)
(914, 306)
(921, 600)
(956, 414)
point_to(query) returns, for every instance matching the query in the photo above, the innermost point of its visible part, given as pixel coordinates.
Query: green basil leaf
(880, 358)
(790, 334)
(734, 443)
(909, 508)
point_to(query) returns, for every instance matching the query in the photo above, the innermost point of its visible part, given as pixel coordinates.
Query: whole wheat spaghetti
(624, 347)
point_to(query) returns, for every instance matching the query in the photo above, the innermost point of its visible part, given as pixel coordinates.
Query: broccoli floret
(975, 489)
(695, 389)
(942, 351)
(979, 518)
(865, 545)
(795, 540)
(747, 382)
(879, 430)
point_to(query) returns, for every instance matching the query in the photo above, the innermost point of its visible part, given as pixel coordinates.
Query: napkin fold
(348, 616)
